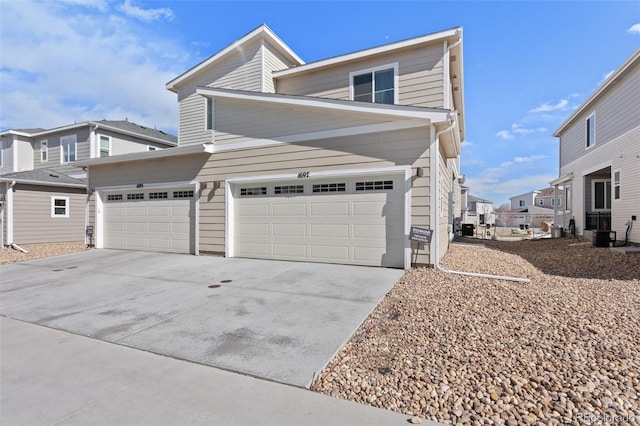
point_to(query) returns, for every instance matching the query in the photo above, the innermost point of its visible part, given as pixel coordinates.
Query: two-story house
(42, 193)
(599, 147)
(329, 161)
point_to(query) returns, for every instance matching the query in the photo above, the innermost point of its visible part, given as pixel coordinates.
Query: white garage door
(351, 221)
(150, 220)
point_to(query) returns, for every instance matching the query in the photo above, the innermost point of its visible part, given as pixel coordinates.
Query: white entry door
(150, 220)
(356, 221)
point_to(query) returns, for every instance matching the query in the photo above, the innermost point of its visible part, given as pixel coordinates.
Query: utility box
(602, 238)
(467, 229)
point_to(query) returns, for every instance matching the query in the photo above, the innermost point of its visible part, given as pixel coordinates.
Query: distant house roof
(548, 192)
(120, 126)
(473, 199)
(43, 177)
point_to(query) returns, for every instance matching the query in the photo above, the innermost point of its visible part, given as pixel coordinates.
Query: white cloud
(634, 29)
(561, 105)
(73, 61)
(518, 129)
(498, 189)
(146, 15)
(529, 158)
(607, 75)
(466, 144)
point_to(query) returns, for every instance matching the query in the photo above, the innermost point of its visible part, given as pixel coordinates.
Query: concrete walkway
(55, 377)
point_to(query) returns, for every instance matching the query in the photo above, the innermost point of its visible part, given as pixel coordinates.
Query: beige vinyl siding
(385, 149)
(3, 215)
(124, 144)
(7, 146)
(83, 150)
(273, 61)
(25, 153)
(237, 122)
(444, 176)
(421, 72)
(32, 221)
(239, 70)
(617, 112)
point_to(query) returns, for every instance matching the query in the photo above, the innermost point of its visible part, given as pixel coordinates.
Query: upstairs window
(375, 85)
(541, 202)
(105, 146)
(68, 149)
(209, 114)
(591, 130)
(521, 203)
(44, 151)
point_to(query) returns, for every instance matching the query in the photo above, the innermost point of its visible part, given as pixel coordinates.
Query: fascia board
(130, 133)
(613, 78)
(262, 29)
(148, 155)
(368, 52)
(402, 111)
(16, 133)
(42, 183)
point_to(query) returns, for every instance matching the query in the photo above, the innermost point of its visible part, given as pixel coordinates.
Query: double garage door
(352, 221)
(150, 220)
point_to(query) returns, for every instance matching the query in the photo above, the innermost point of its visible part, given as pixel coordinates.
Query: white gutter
(435, 258)
(9, 199)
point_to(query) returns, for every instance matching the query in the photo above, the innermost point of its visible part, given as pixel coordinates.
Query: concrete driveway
(281, 321)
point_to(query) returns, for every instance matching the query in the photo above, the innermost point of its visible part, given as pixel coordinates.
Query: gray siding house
(329, 161)
(600, 157)
(42, 193)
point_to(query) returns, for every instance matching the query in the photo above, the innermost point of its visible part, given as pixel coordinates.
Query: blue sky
(527, 64)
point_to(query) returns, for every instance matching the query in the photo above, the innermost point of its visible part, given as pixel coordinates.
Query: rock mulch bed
(36, 251)
(562, 349)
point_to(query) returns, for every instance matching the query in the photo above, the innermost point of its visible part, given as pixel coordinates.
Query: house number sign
(420, 234)
(303, 175)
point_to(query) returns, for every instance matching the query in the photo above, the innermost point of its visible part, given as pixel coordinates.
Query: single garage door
(150, 220)
(350, 221)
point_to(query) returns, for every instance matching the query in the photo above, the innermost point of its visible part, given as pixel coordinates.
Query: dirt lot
(562, 349)
(36, 251)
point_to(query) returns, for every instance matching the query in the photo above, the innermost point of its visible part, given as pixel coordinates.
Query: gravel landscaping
(562, 349)
(36, 251)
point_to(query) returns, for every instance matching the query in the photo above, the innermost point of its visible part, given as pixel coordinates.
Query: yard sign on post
(421, 235)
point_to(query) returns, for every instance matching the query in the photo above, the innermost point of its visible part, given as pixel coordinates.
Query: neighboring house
(522, 201)
(600, 157)
(550, 198)
(532, 208)
(42, 192)
(330, 161)
(477, 210)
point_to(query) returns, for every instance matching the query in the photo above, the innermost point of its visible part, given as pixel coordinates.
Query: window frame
(616, 185)
(590, 130)
(108, 139)
(64, 141)
(521, 203)
(44, 149)
(372, 71)
(593, 195)
(66, 206)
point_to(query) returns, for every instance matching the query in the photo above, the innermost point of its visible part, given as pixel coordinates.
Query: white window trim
(75, 148)
(44, 144)
(592, 140)
(100, 146)
(53, 206)
(396, 79)
(614, 184)
(593, 195)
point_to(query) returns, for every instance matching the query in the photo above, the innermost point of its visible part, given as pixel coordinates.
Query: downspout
(93, 143)
(10, 219)
(434, 212)
(86, 211)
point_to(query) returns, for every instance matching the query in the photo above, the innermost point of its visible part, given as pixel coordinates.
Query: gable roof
(43, 177)
(118, 126)
(615, 77)
(263, 31)
(472, 199)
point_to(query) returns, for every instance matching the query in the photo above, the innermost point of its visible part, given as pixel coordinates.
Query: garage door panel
(253, 248)
(254, 229)
(294, 209)
(289, 230)
(292, 251)
(329, 208)
(158, 212)
(254, 210)
(156, 227)
(182, 212)
(326, 252)
(377, 231)
(333, 230)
